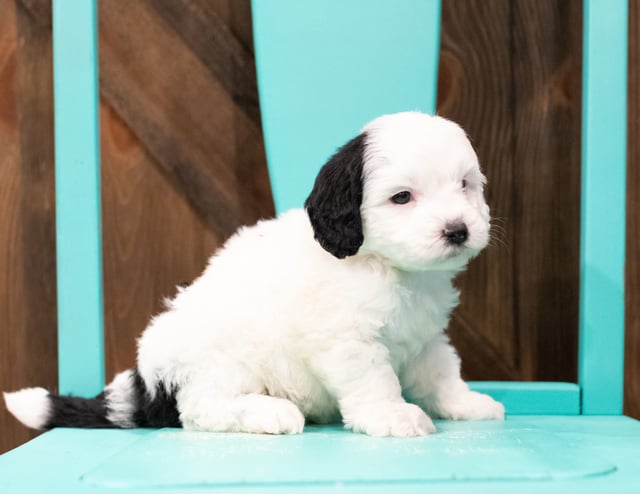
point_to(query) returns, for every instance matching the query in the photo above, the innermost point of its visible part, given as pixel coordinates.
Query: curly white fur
(276, 328)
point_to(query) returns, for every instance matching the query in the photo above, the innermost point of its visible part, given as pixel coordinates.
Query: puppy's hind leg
(257, 413)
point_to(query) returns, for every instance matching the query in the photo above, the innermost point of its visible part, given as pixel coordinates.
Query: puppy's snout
(456, 233)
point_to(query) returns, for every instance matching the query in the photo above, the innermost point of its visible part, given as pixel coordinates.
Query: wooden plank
(479, 355)
(632, 281)
(212, 41)
(510, 76)
(27, 252)
(475, 90)
(210, 149)
(182, 120)
(547, 41)
(237, 15)
(152, 240)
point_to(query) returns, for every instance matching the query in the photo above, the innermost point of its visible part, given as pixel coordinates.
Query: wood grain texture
(182, 151)
(510, 76)
(632, 271)
(211, 150)
(547, 54)
(212, 41)
(475, 90)
(153, 240)
(27, 251)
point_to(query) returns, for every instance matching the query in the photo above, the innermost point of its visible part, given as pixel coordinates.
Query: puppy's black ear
(334, 203)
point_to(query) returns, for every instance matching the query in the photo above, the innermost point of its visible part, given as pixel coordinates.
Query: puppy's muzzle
(456, 233)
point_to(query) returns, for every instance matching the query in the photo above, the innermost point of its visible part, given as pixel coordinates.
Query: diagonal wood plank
(211, 150)
(209, 147)
(211, 40)
(479, 355)
(27, 250)
(152, 240)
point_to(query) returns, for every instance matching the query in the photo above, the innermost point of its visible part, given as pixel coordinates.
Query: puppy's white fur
(31, 405)
(277, 329)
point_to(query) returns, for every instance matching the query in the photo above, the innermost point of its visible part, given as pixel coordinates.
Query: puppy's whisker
(497, 240)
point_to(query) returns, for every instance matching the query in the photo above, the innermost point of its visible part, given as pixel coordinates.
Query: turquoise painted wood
(78, 221)
(326, 68)
(529, 454)
(533, 398)
(525, 454)
(602, 243)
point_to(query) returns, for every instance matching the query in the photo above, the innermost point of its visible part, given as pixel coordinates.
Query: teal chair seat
(325, 68)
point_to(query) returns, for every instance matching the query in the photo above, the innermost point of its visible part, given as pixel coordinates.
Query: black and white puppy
(335, 311)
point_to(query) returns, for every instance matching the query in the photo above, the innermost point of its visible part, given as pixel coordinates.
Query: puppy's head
(408, 189)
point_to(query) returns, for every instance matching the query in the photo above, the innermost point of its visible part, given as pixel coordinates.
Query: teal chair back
(343, 69)
(603, 201)
(78, 212)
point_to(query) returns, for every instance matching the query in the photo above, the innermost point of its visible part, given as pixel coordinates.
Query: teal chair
(341, 71)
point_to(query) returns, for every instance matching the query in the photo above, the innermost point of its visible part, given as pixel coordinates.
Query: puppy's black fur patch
(70, 411)
(334, 203)
(161, 411)
(91, 413)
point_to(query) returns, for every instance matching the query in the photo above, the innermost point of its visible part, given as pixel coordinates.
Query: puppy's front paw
(391, 419)
(471, 405)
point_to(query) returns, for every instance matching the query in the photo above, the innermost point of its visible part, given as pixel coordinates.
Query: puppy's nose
(456, 233)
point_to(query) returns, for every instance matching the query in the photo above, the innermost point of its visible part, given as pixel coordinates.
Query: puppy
(333, 312)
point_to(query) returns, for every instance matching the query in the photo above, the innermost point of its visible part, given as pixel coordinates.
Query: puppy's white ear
(334, 203)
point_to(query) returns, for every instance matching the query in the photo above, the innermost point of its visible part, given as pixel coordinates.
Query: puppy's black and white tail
(125, 403)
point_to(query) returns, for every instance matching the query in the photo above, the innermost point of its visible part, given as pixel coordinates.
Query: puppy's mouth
(463, 252)
(455, 251)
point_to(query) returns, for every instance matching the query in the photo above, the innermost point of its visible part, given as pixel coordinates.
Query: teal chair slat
(325, 68)
(533, 398)
(602, 244)
(78, 222)
(526, 454)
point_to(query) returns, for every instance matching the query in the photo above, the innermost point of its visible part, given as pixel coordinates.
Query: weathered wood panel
(27, 236)
(208, 146)
(194, 165)
(153, 240)
(510, 74)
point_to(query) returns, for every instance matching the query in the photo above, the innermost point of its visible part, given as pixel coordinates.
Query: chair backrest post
(325, 68)
(604, 123)
(78, 212)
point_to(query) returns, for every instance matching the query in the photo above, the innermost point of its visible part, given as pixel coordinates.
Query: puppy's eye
(464, 184)
(401, 197)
